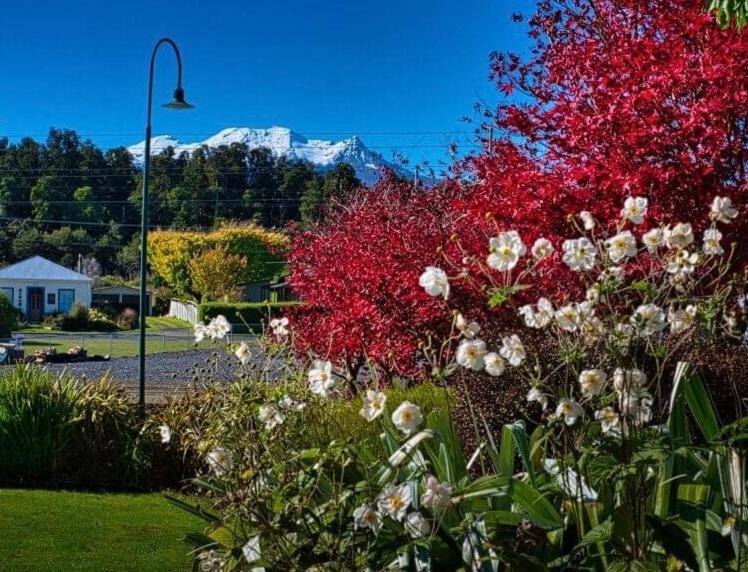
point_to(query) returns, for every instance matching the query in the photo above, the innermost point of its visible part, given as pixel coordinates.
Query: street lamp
(178, 102)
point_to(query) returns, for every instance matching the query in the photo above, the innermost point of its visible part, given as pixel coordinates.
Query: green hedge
(239, 313)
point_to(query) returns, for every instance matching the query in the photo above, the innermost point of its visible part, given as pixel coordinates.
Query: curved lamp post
(177, 103)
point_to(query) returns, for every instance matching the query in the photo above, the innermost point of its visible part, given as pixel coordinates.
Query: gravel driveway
(165, 372)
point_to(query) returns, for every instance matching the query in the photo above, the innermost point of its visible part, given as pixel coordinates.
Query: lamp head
(178, 102)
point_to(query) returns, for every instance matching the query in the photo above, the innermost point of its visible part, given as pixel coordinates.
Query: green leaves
(728, 11)
(501, 295)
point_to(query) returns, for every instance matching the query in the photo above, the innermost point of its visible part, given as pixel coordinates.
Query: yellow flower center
(396, 502)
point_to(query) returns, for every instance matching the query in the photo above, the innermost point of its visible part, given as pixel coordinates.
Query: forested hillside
(66, 197)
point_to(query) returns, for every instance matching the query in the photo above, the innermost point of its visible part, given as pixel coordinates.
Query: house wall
(82, 292)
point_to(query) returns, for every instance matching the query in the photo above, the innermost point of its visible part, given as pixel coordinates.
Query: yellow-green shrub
(170, 252)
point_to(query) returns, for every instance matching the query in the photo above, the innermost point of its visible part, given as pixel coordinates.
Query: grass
(153, 322)
(117, 347)
(48, 531)
(114, 344)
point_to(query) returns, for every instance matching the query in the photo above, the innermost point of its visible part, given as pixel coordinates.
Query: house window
(51, 299)
(66, 298)
(8, 292)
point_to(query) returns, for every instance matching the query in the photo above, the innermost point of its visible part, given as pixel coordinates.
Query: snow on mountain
(284, 142)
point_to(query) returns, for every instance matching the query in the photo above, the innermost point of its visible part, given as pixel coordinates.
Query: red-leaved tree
(619, 98)
(358, 276)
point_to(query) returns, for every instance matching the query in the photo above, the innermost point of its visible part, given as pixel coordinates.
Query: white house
(38, 286)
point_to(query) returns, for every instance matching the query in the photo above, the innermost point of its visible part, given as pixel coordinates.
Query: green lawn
(151, 322)
(50, 531)
(116, 344)
(117, 347)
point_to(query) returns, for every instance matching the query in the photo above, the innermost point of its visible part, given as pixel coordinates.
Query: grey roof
(38, 268)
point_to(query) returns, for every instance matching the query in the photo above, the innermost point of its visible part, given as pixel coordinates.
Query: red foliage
(620, 98)
(359, 274)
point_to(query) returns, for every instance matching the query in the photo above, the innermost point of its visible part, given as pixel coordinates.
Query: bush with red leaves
(358, 274)
(619, 98)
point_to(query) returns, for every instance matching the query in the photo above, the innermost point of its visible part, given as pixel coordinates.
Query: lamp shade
(178, 102)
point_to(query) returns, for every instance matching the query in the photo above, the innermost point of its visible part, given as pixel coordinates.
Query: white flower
(682, 262)
(571, 316)
(495, 365)
(416, 525)
(201, 332)
(608, 418)
(436, 494)
(570, 410)
(512, 349)
(628, 381)
(592, 381)
(621, 246)
(592, 329)
(712, 247)
(593, 294)
(653, 239)
(722, 210)
(407, 417)
(587, 219)
(218, 328)
(680, 236)
(219, 460)
(279, 327)
(288, 402)
(467, 329)
(367, 516)
(568, 317)
(243, 353)
(638, 411)
(634, 209)
(579, 254)
(271, 416)
(165, 432)
(320, 378)
(373, 405)
(435, 282)
(536, 395)
(395, 500)
(728, 524)
(621, 337)
(470, 354)
(649, 319)
(613, 273)
(505, 251)
(681, 319)
(539, 318)
(251, 550)
(542, 249)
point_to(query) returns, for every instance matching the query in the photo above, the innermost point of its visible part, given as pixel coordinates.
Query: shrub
(8, 317)
(216, 274)
(357, 279)
(99, 451)
(81, 319)
(38, 414)
(127, 319)
(243, 316)
(170, 253)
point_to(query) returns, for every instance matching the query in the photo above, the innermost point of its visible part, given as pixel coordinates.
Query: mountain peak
(284, 142)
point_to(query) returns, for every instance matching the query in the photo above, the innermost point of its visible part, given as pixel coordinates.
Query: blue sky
(399, 74)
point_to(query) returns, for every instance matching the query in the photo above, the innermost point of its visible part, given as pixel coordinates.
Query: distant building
(38, 287)
(121, 297)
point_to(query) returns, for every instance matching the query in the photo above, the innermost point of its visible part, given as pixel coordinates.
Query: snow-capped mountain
(284, 142)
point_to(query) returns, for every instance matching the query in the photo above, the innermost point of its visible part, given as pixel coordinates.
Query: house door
(35, 310)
